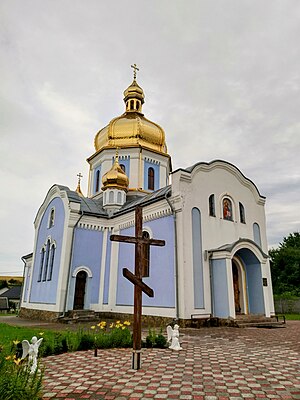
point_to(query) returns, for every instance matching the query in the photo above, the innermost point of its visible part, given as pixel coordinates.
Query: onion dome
(132, 129)
(115, 178)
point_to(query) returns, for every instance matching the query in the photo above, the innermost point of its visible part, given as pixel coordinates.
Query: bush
(155, 340)
(16, 382)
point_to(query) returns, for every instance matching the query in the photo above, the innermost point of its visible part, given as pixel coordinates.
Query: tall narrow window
(51, 218)
(227, 209)
(256, 234)
(46, 260)
(123, 167)
(97, 181)
(111, 197)
(41, 265)
(150, 178)
(145, 256)
(52, 253)
(211, 201)
(242, 213)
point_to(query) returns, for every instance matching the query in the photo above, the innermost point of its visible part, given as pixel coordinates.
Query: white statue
(173, 336)
(32, 351)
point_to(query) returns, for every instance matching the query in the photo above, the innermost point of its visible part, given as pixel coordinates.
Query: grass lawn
(291, 317)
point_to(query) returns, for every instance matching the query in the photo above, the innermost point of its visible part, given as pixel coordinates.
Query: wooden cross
(135, 68)
(141, 244)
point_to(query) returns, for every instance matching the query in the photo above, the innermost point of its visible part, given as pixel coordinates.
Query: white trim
(82, 268)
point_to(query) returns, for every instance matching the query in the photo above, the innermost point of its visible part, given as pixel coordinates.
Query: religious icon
(227, 209)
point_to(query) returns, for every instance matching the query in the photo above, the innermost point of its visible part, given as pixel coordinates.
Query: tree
(285, 266)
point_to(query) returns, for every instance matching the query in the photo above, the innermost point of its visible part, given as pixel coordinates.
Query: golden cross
(79, 177)
(135, 68)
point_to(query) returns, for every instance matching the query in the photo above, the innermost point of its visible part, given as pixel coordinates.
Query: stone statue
(173, 336)
(32, 351)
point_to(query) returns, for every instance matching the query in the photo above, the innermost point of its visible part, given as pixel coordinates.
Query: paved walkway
(215, 363)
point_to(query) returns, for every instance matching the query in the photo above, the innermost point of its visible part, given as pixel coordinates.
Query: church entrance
(80, 287)
(236, 288)
(239, 287)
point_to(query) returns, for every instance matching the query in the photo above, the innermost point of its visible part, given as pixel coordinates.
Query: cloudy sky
(221, 77)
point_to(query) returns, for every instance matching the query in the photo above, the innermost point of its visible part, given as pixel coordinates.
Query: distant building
(211, 216)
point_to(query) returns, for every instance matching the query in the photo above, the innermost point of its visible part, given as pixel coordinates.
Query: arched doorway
(80, 288)
(236, 288)
(239, 287)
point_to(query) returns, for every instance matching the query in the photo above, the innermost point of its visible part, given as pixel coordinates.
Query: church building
(212, 218)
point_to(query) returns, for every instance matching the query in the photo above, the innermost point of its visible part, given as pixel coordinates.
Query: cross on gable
(140, 243)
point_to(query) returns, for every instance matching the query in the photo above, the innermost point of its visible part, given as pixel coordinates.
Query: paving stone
(215, 364)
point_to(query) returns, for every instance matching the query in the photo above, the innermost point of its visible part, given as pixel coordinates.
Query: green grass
(291, 317)
(57, 342)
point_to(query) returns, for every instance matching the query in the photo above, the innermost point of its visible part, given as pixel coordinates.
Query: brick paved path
(216, 363)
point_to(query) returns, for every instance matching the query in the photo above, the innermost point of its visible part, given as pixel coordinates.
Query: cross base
(136, 359)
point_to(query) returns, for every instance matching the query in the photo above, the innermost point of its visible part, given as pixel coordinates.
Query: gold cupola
(115, 178)
(132, 129)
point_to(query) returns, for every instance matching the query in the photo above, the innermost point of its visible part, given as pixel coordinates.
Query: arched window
(123, 167)
(211, 201)
(131, 105)
(46, 260)
(119, 198)
(242, 213)
(227, 209)
(52, 253)
(41, 265)
(111, 197)
(145, 256)
(51, 218)
(150, 178)
(97, 181)
(256, 234)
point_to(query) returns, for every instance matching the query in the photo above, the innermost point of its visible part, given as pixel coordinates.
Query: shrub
(155, 340)
(16, 382)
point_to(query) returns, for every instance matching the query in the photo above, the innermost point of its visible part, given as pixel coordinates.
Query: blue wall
(45, 291)
(161, 278)
(107, 270)
(197, 259)
(156, 167)
(220, 288)
(87, 252)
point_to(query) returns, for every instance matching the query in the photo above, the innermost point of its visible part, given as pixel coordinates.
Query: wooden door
(236, 287)
(80, 290)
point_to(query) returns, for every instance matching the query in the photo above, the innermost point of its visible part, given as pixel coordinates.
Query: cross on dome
(135, 68)
(79, 177)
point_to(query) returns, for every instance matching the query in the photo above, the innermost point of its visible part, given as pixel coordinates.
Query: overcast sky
(221, 77)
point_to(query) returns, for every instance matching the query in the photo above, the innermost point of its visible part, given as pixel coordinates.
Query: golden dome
(132, 128)
(115, 178)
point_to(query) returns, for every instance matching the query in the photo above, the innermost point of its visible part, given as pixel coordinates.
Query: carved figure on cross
(142, 244)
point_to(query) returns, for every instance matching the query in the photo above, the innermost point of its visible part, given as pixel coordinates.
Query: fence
(286, 306)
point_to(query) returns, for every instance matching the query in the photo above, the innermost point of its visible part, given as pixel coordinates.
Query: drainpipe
(70, 265)
(211, 274)
(176, 256)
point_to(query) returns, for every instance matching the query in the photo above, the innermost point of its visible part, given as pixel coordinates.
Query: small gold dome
(132, 128)
(115, 178)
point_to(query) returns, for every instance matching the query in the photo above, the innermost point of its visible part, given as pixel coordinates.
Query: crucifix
(135, 68)
(142, 244)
